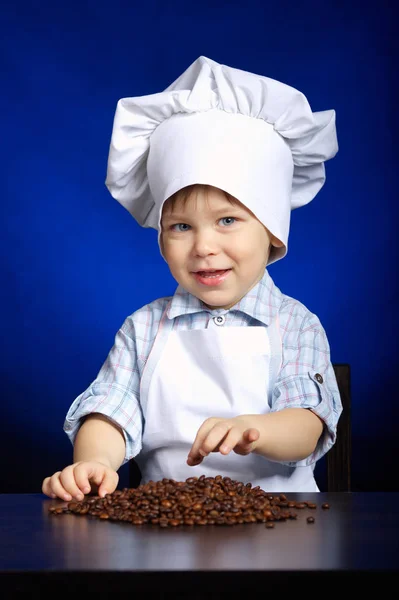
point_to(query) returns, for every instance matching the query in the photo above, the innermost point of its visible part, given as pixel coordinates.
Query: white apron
(215, 372)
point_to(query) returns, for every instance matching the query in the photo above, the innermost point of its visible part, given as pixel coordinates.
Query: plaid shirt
(306, 378)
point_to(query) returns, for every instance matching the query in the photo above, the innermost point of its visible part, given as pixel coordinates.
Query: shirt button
(219, 320)
(319, 378)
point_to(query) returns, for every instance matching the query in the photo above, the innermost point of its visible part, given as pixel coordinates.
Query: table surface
(358, 534)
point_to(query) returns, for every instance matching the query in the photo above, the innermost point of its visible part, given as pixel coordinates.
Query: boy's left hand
(223, 435)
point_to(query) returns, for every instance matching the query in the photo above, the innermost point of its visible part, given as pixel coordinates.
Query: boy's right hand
(77, 480)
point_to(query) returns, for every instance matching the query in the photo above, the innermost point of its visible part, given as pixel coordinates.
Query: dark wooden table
(356, 540)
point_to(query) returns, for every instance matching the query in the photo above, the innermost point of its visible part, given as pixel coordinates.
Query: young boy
(229, 376)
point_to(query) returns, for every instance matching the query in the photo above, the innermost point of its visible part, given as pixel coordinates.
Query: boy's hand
(75, 481)
(223, 435)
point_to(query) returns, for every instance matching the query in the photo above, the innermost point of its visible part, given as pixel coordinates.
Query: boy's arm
(115, 394)
(99, 451)
(288, 435)
(308, 386)
(100, 440)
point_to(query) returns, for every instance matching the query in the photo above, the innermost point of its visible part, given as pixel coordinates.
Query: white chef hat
(251, 136)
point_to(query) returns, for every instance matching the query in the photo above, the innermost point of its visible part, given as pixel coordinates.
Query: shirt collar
(262, 302)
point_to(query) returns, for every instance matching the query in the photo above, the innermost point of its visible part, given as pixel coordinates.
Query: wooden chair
(337, 460)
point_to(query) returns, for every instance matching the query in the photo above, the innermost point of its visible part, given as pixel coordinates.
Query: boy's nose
(205, 244)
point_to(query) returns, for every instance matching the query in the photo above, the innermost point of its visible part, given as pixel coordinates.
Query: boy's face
(208, 232)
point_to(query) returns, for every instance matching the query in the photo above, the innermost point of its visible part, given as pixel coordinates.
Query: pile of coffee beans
(196, 501)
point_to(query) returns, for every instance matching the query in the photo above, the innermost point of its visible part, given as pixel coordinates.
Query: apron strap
(276, 355)
(155, 354)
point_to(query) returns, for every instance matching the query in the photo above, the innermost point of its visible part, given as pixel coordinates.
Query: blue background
(75, 264)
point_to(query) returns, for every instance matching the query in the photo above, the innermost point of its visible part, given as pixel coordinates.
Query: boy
(229, 376)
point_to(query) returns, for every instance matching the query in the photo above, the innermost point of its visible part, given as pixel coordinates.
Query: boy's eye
(180, 227)
(228, 220)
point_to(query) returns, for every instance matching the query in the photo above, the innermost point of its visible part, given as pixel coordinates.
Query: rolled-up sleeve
(307, 380)
(114, 393)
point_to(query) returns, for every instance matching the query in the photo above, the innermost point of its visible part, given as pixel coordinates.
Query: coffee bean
(325, 505)
(198, 501)
(310, 519)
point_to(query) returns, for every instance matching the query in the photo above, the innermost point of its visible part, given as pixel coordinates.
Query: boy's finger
(247, 444)
(81, 473)
(108, 483)
(251, 435)
(193, 461)
(46, 488)
(215, 438)
(231, 440)
(67, 480)
(58, 489)
(195, 456)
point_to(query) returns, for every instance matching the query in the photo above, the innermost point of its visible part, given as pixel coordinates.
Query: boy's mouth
(211, 272)
(211, 276)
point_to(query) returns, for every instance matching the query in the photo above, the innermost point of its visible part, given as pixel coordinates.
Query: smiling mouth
(209, 274)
